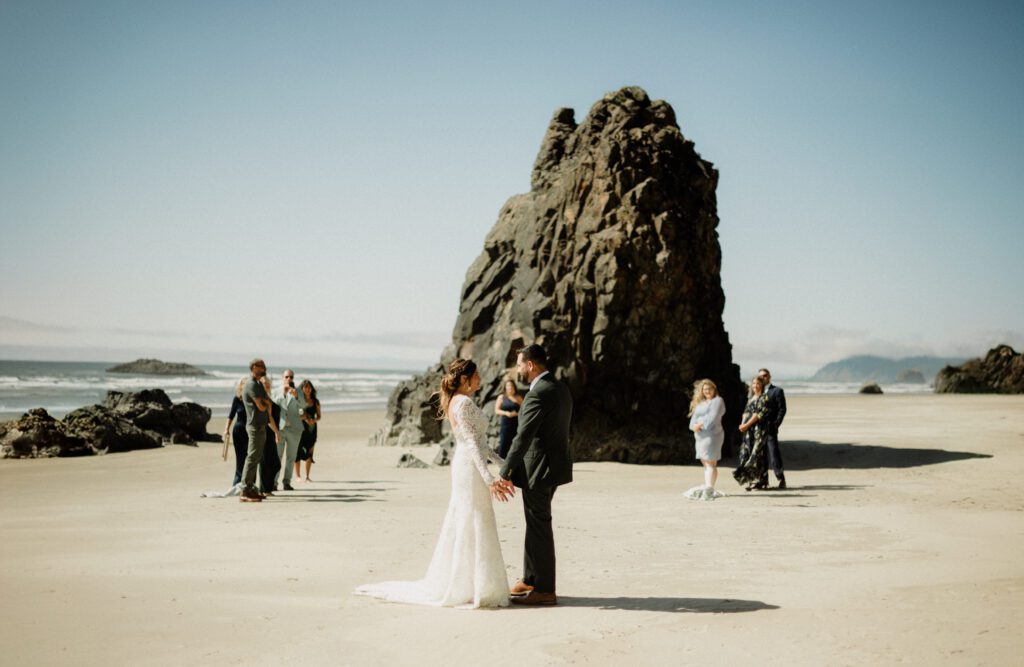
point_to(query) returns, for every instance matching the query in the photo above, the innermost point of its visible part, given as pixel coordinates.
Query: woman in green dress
(752, 471)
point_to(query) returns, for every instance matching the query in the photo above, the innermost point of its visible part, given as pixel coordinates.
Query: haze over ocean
(205, 182)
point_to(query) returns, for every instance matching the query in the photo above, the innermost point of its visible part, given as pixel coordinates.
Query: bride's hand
(502, 490)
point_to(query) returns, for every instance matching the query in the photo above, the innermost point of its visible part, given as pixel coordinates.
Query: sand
(899, 541)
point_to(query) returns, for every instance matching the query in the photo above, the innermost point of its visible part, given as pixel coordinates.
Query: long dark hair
(451, 382)
(312, 390)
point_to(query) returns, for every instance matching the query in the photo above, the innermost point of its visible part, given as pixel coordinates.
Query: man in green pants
(257, 414)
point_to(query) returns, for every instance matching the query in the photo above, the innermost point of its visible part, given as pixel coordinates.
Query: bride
(467, 569)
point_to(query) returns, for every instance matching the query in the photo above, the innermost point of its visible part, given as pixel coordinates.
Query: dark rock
(409, 461)
(151, 410)
(612, 262)
(105, 431)
(192, 418)
(156, 367)
(444, 455)
(1000, 372)
(38, 435)
(910, 376)
(871, 388)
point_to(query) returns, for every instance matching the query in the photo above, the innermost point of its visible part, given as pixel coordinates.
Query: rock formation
(106, 432)
(612, 262)
(38, 435)
(910, 376)
(151, 410)
(156, 367)
(1000, 372)
(870, 388)
(124, 422)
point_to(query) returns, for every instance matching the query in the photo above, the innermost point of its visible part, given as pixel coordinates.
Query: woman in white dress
(706, 411)
(467, 569)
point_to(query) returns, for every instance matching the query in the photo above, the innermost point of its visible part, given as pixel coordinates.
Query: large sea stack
(612, 262)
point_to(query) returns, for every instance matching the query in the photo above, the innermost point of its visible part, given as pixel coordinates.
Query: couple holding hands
(467, 568)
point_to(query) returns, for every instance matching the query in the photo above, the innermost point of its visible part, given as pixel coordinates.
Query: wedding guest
(706, 411)
(753, 464)
(270, 463)
(310, 416)
(507, 407)
(239, 440)
(775, 404)
(290, 405)
(257, 414)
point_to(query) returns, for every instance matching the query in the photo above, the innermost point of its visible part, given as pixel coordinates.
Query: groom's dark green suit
(539, 460)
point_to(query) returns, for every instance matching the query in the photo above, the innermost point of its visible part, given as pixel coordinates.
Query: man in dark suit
(539, 460)
(775, 404)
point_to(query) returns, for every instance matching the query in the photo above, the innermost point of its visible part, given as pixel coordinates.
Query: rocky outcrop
(125, 422)
(870, 388)
(151, 410)
(612, 262)
(106, 432)
(1000, 372)
(910, 376)
(156, 367)
(38, 435)
(408, 460)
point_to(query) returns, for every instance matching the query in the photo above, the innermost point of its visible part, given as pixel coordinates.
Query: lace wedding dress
(467, 569)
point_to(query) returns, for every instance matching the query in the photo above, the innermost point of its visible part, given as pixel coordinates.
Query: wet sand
(899, 540)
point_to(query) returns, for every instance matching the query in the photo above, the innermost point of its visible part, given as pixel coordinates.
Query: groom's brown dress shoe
(536, 599)
(520, 589)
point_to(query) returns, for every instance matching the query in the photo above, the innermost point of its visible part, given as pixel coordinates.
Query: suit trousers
(270, 465)
(539, 550)
(287, 448)
(253, 455)
(771, 443)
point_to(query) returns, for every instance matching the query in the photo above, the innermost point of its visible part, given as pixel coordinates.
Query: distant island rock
(125, 422)
(871, 388)
(1000, 372)
(869, 368)
(910, 376)
(156, 367)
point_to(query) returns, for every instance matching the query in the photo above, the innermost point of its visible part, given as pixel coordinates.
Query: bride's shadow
(671, 605)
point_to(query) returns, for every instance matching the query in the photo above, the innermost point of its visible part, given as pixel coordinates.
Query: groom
(539, 460)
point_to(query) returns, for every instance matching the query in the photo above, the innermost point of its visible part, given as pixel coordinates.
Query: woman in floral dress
(752, 471)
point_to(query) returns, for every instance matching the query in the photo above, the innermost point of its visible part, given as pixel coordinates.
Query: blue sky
(312, 180)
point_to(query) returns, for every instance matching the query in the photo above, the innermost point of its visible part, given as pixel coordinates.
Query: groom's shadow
(671, 605)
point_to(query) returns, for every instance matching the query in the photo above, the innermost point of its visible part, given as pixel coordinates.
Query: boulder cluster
(612, 262)
(124, 422)
(1000, 372)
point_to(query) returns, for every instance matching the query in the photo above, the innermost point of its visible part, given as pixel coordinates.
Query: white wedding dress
(467, 569)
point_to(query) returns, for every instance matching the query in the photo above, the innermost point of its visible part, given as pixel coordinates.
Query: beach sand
(900, 540)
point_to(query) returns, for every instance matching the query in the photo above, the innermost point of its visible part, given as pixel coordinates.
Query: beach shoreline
(897, 541)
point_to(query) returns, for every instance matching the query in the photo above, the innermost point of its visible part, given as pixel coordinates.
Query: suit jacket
(775, 404)
(540, 454)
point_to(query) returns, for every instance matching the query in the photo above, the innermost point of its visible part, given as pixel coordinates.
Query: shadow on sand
(813, 455)
(671, 605)
(287, 496)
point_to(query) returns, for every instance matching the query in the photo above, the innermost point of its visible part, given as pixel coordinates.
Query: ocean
(64, 386)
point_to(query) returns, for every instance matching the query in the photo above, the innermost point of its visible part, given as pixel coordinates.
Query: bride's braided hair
(452, 380)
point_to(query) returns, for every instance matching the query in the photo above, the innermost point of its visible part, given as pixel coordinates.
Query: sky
(309, 181)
